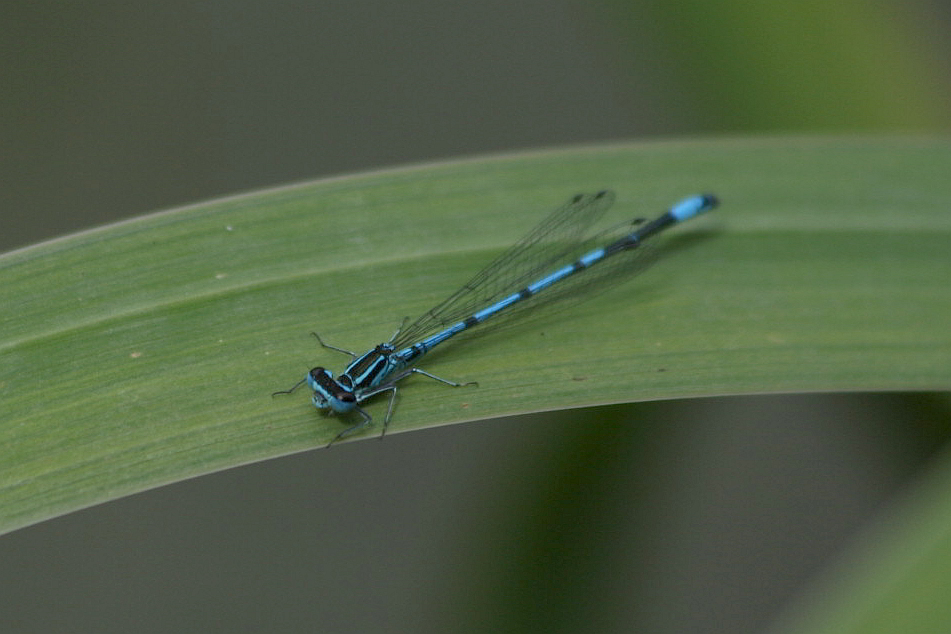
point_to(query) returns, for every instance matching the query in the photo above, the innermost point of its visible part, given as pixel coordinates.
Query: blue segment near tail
(542, 259)
(695, 205)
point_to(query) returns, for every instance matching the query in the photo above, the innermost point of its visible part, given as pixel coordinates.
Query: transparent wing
(560, 234)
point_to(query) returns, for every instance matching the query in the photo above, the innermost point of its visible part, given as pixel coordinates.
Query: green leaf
(894, 578)
(146, 352)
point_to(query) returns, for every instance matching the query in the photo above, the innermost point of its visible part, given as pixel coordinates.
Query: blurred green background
(707, 515)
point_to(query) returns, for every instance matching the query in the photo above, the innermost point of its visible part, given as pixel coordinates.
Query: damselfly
(540, 260)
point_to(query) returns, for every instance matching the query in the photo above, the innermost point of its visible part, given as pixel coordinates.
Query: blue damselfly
(542, 259)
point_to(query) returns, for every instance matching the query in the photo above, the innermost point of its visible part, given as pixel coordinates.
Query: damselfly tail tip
(693, 206)
(710, 201)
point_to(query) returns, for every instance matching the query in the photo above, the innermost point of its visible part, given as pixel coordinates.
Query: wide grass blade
(146, 352)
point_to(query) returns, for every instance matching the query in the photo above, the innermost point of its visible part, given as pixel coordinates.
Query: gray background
(685, 516)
